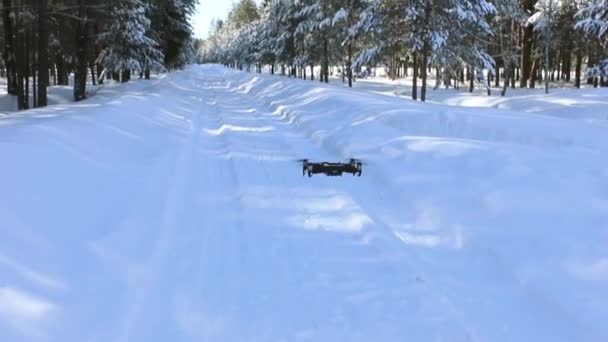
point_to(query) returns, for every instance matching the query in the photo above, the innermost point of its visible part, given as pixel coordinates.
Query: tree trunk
(425, 50)
(32, 64)
(568, 67)
(100, 77)
(526, 51)
(506, 81)
(577, 71)
(497, 78)
(147, 74)
(61, 73)
(126, 76)
(9, 48)
(31, 57)
(325, 61)
(437, 77)
(489, 85)
(349, 65)
(80, 75)
(423, 69)
(534, 72)
(392, 65)
(512, 76)
(591, 60)
(22, 60)
(34, 89)
(415, 76)
(312, 72)
(28, 69)
(43, 52)
(92, 71)
(471, 80)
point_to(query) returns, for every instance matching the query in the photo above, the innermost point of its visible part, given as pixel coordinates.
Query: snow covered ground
(588, 103)
(59, 94)
(174, 210)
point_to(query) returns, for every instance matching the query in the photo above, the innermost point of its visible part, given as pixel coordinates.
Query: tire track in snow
(177, 203)
(440, 297)
(381, 181)
(215, 279)
(238, 238)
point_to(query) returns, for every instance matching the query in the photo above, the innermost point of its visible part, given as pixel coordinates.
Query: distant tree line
(45, 41)
(488, 41)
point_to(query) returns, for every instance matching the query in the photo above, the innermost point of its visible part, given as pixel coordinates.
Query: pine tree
(171, 29)
(243, 13)
(127, 46)
(593, 21)
(506, 26)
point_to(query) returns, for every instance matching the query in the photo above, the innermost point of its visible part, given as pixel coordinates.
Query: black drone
(353, 166)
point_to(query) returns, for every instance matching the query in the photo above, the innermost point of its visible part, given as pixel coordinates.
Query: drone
(353, 166)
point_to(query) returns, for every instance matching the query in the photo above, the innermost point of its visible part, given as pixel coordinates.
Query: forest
(500, 43)
(44, 42)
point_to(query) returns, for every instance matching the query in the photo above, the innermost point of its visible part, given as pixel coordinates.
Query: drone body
(354, 166)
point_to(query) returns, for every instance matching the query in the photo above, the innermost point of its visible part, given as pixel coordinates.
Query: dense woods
(44, 42)
(506, 43)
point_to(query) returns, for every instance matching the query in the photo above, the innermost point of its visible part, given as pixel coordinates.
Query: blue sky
(206, 11)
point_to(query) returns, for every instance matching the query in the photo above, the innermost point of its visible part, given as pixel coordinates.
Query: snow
(586, 104)
(175, 210)
(56, 95)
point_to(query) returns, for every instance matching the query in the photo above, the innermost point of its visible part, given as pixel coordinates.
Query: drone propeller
(300, 161)
(354, 160)
(305, 165)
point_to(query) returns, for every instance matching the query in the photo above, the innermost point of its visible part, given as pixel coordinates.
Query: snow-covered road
(176, 211)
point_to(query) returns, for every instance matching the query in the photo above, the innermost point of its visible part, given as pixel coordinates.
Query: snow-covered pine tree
(171, 28)
(282, 13)
(432, 26)
(545, 26)
(266, 37)
(345, 19)
(80, 74)
(318, 18)
(386, 34)
(247, 50)
(243, 26)
(477, 29)
(309, 52)
(126, 43)
(593, 20)
(243, 13)
(523, 8)
(505, 24)
(468, 32)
